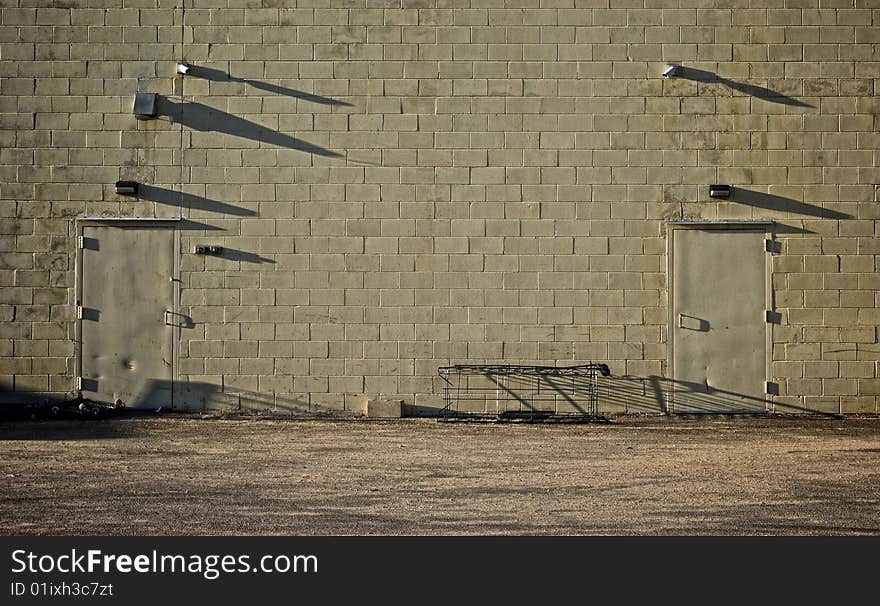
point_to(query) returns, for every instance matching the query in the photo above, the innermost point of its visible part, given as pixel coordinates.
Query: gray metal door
(718, 327)
(126, 289)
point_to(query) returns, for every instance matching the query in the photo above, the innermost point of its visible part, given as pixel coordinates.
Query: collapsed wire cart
(506, 392)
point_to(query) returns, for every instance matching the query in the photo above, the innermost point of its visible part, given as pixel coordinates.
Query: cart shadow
(486, 395)
(654, 394)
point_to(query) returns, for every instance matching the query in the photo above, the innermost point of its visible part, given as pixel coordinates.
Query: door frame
(147, 223)
(672, 226)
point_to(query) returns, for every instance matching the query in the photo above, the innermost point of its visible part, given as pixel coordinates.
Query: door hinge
(79, 383)
(772, 317)
(79, 312)
(80, 242)
(771, 388)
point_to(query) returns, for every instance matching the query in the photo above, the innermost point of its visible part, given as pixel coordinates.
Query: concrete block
(384, 408)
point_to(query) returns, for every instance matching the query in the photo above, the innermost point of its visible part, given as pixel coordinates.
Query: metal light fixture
(145, 106)
(183, 68)
(671, 71)
(126, 188)
(718, 190)
(204, 249)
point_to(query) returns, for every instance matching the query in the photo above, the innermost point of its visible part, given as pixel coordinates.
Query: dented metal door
(126, 296)
(718, 324)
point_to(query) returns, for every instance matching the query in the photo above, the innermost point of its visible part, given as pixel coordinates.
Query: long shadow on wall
(242, 256)
(780, 204)
(170, 197)
(208, 119)
(753, 90)
(216, 75)
(784, 228)
(189, 225)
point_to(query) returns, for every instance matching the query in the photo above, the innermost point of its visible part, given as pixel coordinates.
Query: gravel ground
(185, 475)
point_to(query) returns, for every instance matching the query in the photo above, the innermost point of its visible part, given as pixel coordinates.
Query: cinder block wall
(416, 182)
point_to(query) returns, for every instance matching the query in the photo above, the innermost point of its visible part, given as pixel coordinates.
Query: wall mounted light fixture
(720, 191)
(671, 71)
(145, 106)
(126, 188)
(204, 249)
(183, 68)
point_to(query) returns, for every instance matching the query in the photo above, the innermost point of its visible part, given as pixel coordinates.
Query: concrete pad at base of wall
(384, 409)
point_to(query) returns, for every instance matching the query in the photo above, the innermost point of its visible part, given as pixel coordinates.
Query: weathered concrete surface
(184, 475)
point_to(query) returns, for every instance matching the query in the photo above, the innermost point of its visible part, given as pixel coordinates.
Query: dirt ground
(184, 475)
